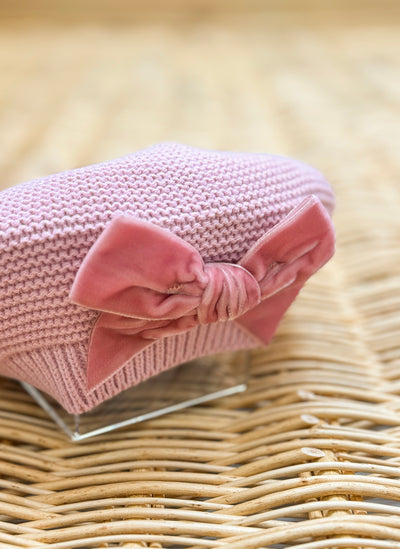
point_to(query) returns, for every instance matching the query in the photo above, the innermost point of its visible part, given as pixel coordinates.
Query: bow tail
(115, 340)
(262, 321)
(109, 349)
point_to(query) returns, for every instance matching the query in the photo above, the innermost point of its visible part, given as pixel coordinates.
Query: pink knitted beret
(115, 272)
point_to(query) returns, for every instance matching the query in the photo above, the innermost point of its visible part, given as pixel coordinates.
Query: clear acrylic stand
(188, 384)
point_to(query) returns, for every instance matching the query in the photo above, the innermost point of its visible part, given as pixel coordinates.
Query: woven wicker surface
(309, 454)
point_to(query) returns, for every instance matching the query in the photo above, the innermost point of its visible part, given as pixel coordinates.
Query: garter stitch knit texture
(219, 202)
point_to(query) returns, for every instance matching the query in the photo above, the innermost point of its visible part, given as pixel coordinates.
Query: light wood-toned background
(82, 82)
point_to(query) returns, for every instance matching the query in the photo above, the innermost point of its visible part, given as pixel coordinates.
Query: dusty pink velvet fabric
(218, 209)
(151, 284)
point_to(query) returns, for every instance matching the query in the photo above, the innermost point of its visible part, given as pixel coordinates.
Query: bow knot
(149, 284)
(230, 292)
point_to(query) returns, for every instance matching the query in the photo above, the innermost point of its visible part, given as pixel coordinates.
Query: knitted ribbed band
(220, 207)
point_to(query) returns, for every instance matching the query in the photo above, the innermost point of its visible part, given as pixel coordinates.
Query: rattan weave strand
(309, 455)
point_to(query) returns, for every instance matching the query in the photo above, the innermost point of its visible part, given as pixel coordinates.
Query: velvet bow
(148, 284)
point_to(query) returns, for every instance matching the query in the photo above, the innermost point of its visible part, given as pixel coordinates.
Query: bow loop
(148, 284)
(133, 268)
